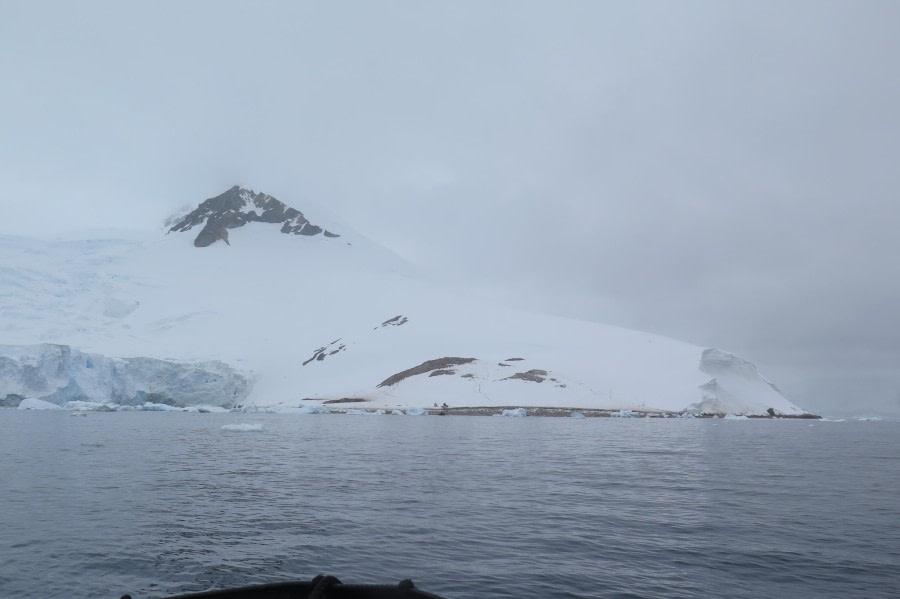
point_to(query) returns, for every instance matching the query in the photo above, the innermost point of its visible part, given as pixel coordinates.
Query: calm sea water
(158, 503)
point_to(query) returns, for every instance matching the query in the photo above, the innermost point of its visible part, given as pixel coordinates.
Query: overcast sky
(726, 173)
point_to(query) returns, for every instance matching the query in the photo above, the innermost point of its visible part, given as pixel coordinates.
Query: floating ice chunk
(416, 412)
(157, 407)
(243, 428)
(355, 412)
(735, 417)
(576, 415)
(255, 409)
(687, 415)
(624, 414)
(204, 409)
(31, 403)
(868, 418)
(515, 413)
(78, 414)
(397, 413)
(313, 410)
(90, 406)
(288, 410)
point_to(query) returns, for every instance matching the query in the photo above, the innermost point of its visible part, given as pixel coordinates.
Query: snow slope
(308, 319)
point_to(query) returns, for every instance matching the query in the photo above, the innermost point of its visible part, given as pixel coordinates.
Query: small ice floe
(576, 415)
(78, 414)
(687, 415)
(355, 412)
(515, 413)
(158, 407)
(868, 418)
(735, 417)
(254, 409)
(397, 413)
(243, 428)
(313, 410)
(32, 403)
(206, 409)
(624, 414)
(287, 410)
(416, 412)
(91, 406)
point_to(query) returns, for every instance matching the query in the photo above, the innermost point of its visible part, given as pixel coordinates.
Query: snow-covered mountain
(244, 301)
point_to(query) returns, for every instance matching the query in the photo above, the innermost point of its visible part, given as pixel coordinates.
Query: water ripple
(154, 504)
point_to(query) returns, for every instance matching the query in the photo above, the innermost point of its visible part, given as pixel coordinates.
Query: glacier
(61, 375)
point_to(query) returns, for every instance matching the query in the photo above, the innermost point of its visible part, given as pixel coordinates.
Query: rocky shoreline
(594, 413)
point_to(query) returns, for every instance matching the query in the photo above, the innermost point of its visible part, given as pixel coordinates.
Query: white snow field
(286, 322)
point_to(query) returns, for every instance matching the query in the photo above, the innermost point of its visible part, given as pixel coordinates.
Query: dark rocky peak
(239, 206)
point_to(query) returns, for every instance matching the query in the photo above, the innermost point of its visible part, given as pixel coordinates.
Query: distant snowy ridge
(320, 322)
(239, 206)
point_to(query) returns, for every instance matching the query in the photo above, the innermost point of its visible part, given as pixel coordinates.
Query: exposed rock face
(445, 364)
(239, 206)
(325, 351)
(58, 373)
(534, 375)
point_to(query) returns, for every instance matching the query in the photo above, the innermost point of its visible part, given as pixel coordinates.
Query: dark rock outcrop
(321, 353)
(239, 206)
(396, 321)
(534, 375)
(427, 366)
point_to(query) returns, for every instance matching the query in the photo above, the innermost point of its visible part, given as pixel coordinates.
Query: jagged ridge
(239, 206)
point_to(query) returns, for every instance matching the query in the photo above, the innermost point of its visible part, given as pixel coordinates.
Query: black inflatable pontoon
(320, 587)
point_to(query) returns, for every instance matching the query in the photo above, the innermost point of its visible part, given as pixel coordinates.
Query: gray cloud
(718, 172)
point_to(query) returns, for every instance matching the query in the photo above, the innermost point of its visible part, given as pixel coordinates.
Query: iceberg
(624, 414)
(416, 412)
(576, 415)
(30, 403)
(515, 413)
